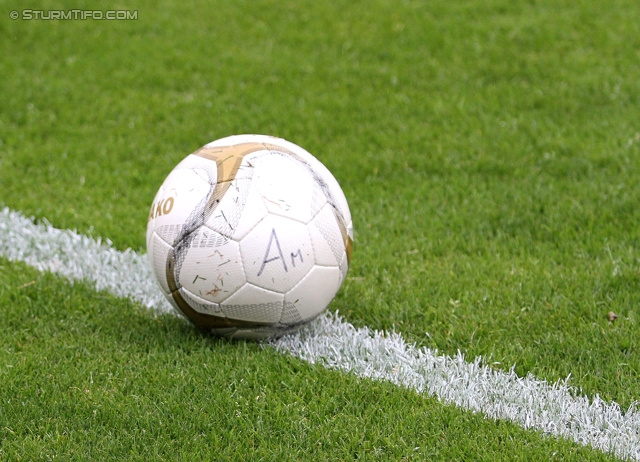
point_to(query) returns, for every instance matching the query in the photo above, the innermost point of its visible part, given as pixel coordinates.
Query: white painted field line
(336, 344)
(79, 257)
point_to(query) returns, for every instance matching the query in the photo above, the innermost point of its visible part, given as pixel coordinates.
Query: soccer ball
(250, 237)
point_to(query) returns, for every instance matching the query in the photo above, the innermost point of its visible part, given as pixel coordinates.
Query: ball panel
(205, 168)
(327, 237)
(344, 267)
(318, 199)
(285, 185)
(205, 317)
(290, 314)
(324, 175)
(158, 251)
(251, 303)
(253, 212)
(211, 266)
(176, 203)
(230, 208)
(200, 304)
(277, 253)
(314, 293)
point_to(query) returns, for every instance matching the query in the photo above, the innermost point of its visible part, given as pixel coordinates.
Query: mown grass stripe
(555, 409)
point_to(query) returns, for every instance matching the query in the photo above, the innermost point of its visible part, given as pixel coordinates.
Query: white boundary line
(531, 403)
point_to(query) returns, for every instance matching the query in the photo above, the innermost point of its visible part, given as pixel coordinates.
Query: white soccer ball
(250, 237)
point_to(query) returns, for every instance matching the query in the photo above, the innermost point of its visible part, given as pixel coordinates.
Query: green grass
(489, 151)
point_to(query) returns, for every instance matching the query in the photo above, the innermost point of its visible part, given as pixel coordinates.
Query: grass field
(489, 150)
